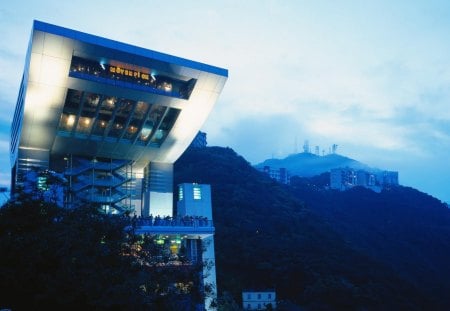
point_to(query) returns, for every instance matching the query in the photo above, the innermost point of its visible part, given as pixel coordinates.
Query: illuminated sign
(145, 77)
(129, 73)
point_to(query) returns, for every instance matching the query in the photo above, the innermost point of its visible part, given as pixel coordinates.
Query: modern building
(345, 178)
(199, 140)
(111, 118)
(259, 300)
(390, 177)
(342, 179)
(279, 174)
(190, 228)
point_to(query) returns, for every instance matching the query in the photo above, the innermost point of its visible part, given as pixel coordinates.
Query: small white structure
(258, 300)
(194, 200)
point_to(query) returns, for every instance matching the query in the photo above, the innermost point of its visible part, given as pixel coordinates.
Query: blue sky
(370, 76)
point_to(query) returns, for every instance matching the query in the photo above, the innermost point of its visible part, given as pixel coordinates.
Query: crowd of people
(182, 221)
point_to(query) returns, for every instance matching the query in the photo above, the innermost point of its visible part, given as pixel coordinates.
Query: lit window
(159, 134)
(197, 193)
(42, 183)
(180, 193)
(84, 125)
(259, 296)
(70, 120)
(145, 133)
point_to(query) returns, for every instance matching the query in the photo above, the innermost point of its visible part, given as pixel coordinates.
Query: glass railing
(131, 78)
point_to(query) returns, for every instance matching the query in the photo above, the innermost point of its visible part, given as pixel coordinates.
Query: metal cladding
(94, 97)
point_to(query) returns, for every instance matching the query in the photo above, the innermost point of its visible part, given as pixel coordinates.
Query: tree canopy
(80, 258)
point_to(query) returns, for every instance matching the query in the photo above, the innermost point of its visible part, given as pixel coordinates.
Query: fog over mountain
(307, 164)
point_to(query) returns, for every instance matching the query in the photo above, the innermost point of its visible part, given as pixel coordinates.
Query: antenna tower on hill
(334, 148)
(306, 147)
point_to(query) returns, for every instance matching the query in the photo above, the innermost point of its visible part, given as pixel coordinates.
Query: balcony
(193, 227)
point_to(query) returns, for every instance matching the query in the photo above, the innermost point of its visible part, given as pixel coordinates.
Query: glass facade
(99, 116)
(132, 76)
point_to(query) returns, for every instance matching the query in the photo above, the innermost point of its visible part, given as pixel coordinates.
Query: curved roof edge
(128, 48)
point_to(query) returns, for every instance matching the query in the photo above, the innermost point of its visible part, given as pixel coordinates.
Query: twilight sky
(370, 76)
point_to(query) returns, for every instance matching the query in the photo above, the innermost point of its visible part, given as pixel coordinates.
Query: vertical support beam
(209, 271)
(158, 189)
(195, 200)
(145, 197)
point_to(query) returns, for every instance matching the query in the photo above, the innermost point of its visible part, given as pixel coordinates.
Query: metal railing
(186, 221)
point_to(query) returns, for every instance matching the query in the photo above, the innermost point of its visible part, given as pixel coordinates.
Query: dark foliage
(54, 258)
(405, 229)
(266, 237)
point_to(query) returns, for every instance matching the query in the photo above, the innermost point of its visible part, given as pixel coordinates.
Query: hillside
(274, 236)
(404, 228)
(308, 164)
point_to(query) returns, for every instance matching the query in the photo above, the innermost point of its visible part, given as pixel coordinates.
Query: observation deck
(190, 227)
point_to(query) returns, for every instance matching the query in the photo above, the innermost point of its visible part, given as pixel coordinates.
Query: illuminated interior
(132, 76)
(91, 97)
(115, 118)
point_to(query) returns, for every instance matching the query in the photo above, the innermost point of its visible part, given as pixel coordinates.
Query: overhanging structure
(111, 117)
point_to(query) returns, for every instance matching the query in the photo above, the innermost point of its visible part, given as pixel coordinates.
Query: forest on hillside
(317, 247)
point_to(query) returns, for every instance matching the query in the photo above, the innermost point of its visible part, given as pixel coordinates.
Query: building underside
(111, 117)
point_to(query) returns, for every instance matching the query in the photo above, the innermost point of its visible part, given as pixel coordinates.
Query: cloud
(372, 77)
(262, 136)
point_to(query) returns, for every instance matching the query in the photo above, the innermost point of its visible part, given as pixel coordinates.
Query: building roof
(124, 47)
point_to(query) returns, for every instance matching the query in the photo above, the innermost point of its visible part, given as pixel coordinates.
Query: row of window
(101, 116)
(196, 193)
(132, 76)
(259, 296)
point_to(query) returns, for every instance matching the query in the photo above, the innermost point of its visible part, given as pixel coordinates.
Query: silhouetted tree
(58, 258)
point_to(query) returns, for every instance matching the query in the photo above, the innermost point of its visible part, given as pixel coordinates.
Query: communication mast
(306, 147)
(334, 148)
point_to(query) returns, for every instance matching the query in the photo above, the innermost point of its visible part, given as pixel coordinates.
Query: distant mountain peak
(307, 164)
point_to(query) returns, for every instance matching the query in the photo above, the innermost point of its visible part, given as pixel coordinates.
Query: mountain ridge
(307, 164)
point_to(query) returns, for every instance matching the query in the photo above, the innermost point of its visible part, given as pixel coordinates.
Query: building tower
(194, 200)
(306, 147)
(109, 117)
(113, 118)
